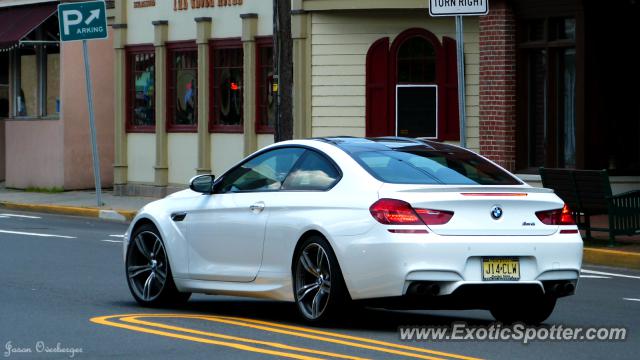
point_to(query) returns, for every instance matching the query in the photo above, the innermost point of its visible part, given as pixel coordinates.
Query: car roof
(357, 144)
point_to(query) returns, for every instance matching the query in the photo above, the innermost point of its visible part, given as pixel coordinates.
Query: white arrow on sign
(95, 14)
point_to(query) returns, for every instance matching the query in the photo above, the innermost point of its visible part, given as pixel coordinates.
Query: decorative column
(249, 31)
(120, 116)
(204, 139)
(301, 74)
(498, 85)
(161, 168)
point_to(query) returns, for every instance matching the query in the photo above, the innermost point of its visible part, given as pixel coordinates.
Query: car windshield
(432, 167)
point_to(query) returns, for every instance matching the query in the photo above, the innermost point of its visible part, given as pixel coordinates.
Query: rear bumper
(382, 264)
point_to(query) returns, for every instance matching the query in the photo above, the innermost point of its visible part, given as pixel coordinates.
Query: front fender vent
(179, 216)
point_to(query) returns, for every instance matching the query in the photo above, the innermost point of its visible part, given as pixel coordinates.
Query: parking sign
(83, 21)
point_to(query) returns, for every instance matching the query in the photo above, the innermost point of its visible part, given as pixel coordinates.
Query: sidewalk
(626, 253)
(81, 203)
(598, 250)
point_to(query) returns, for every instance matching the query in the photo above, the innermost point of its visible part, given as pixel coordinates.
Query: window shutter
(377, 107)
(449, 122)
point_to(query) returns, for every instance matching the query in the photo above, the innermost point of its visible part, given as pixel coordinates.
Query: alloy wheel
(147, 266)
(313, 281)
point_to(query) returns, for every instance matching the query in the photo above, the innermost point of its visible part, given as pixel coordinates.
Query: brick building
(558, 87)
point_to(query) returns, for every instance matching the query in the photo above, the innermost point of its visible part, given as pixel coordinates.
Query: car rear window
(432, 167)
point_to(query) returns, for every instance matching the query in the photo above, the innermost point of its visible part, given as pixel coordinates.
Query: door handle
(257, 207)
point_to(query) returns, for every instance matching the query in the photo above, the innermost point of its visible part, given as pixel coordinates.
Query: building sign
(458, 7)
(179, 5)
(82, 21)
(143, 3)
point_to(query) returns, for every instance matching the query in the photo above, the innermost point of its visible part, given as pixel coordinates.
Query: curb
(117, 215)
(614, 258)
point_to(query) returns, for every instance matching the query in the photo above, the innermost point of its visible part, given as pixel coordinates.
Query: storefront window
(141, 93)
(183, 88)
(4, 86)
(538, 107)
(53, 83)
(568, 89)
(266, 98)
(563, 29)
(27, 90)
(548, 99)
(228, 85)
(35, 72)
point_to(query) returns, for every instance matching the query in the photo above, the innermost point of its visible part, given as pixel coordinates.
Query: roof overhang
(19, 21)
(10, 3)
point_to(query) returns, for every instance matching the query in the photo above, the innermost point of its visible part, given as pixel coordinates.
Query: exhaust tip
(562, 288)
(568, 288)
(433, 289)
(425, 289)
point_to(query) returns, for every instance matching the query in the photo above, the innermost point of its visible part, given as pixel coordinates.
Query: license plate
(500, 268)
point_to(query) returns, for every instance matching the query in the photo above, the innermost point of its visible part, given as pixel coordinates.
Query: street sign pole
(92, 124)
(82, 21)
(461, 82)
(458, 9)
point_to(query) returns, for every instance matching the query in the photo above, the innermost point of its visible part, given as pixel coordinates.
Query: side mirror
(202, 184)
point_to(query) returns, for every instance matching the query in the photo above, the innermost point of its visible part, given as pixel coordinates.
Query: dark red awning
(17, 22)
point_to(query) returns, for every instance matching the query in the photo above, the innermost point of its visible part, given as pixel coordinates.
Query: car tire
(148, 271)
(318, 286)
(533, 311)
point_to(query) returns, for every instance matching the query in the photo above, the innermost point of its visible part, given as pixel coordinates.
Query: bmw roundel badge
(496, 212)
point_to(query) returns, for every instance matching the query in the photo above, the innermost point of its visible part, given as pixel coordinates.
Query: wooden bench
(588, 193)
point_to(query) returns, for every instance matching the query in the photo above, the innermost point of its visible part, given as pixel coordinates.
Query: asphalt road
(63, 290)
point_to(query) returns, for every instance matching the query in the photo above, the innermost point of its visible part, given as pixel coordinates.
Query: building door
(547, 94)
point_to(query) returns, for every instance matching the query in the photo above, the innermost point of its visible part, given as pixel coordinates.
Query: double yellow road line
(142, 323)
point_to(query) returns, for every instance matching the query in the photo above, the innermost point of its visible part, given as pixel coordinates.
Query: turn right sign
(458, 7)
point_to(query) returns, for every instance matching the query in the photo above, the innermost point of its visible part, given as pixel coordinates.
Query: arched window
(412, 87)
(416, 62)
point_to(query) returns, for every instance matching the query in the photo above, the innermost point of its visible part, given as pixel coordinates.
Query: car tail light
(394, 212)
(434, 217)
(398, 212)
(556, 217)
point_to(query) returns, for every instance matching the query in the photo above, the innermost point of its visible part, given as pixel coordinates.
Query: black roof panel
(356, 144)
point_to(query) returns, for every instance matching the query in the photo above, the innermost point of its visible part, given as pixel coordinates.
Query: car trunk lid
(481, 210)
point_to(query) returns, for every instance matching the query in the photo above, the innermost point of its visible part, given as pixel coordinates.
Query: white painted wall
(340, 41)
(226, 151)
(225, 19)
(183, 157)
(141, 157)
(264, 140)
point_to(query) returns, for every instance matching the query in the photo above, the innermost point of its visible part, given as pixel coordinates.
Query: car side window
(265, 172)
(314, 172)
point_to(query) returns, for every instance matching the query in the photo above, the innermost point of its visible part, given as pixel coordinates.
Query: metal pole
(92, 124)
(461, 82)
(276, 78)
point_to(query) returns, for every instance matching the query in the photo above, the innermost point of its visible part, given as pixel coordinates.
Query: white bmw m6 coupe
(390, 222)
